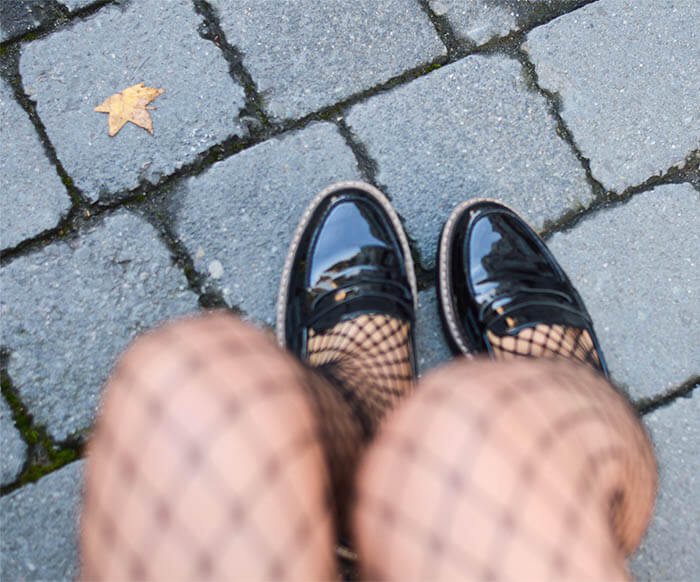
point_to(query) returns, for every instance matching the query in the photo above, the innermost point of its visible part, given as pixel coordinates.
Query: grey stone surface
(40, 527)
(470, 129)
(71, 72)
(473, 128)
(14, 449)
(237, 219)
(32, 196)
(628, 73)
(431, 347)
(480, 21)
(70, 308)
(18, 17)
(318, 53)
(636, 268)
(670, 548)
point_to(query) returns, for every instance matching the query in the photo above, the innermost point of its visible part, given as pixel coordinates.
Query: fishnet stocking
(369, 359)
(555, 341)
(526, 470)
(210, 460)
(217, 456)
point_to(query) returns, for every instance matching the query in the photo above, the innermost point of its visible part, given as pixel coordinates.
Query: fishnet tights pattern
(368, 359)
(546, 341)
(215, 453)
(217, 456)
(531, 470)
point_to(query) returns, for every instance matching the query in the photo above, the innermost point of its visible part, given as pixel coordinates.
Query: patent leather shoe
(349, 256)
(496, 277)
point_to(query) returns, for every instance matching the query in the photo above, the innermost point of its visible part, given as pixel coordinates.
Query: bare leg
(526, 470)
(210, 461)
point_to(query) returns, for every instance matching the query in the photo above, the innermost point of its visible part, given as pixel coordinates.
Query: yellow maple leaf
(130, 105)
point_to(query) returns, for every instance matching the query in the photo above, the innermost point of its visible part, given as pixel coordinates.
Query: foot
(503, 292)
(348, 297)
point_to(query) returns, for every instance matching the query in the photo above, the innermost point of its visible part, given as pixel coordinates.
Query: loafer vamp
(349, 262)
(501, 279)
(508, 269)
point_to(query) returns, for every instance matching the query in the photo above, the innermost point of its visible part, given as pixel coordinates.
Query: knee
(189, 340)
(178, 350)
(198, 365)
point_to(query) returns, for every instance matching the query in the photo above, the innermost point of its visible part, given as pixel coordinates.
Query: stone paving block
(156, 42)
(470, 129)
(14, 449)
(318, 53)
(237, 219)
(69, 309)
(636, 267)
(628, 73)
(32, 196)
(670, 548)
(40, 527)
(480, 21)
(17, 17)
(431, 346)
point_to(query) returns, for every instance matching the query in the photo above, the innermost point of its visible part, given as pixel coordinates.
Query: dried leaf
(130, 105)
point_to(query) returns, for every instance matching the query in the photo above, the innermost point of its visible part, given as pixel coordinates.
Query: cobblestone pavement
(585, 116)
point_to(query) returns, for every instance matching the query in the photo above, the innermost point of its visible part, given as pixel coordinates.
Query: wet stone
(39, 524)
(470, 129)
(480, 21)
(628, 75)
(669, 550)
(32, 196)
(14, 449)
(636, 268)
(320, 53)
(69, 309)
(237, 218)
(153, 42)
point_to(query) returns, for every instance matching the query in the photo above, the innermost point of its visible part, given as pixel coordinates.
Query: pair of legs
(219, 456)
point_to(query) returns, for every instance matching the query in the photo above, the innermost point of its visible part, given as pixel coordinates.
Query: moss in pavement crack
(43, 454)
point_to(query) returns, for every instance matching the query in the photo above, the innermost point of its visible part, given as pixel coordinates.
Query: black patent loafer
(496, 277)
(349, 256)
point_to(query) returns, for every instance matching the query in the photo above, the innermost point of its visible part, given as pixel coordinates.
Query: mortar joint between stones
(44, 454)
